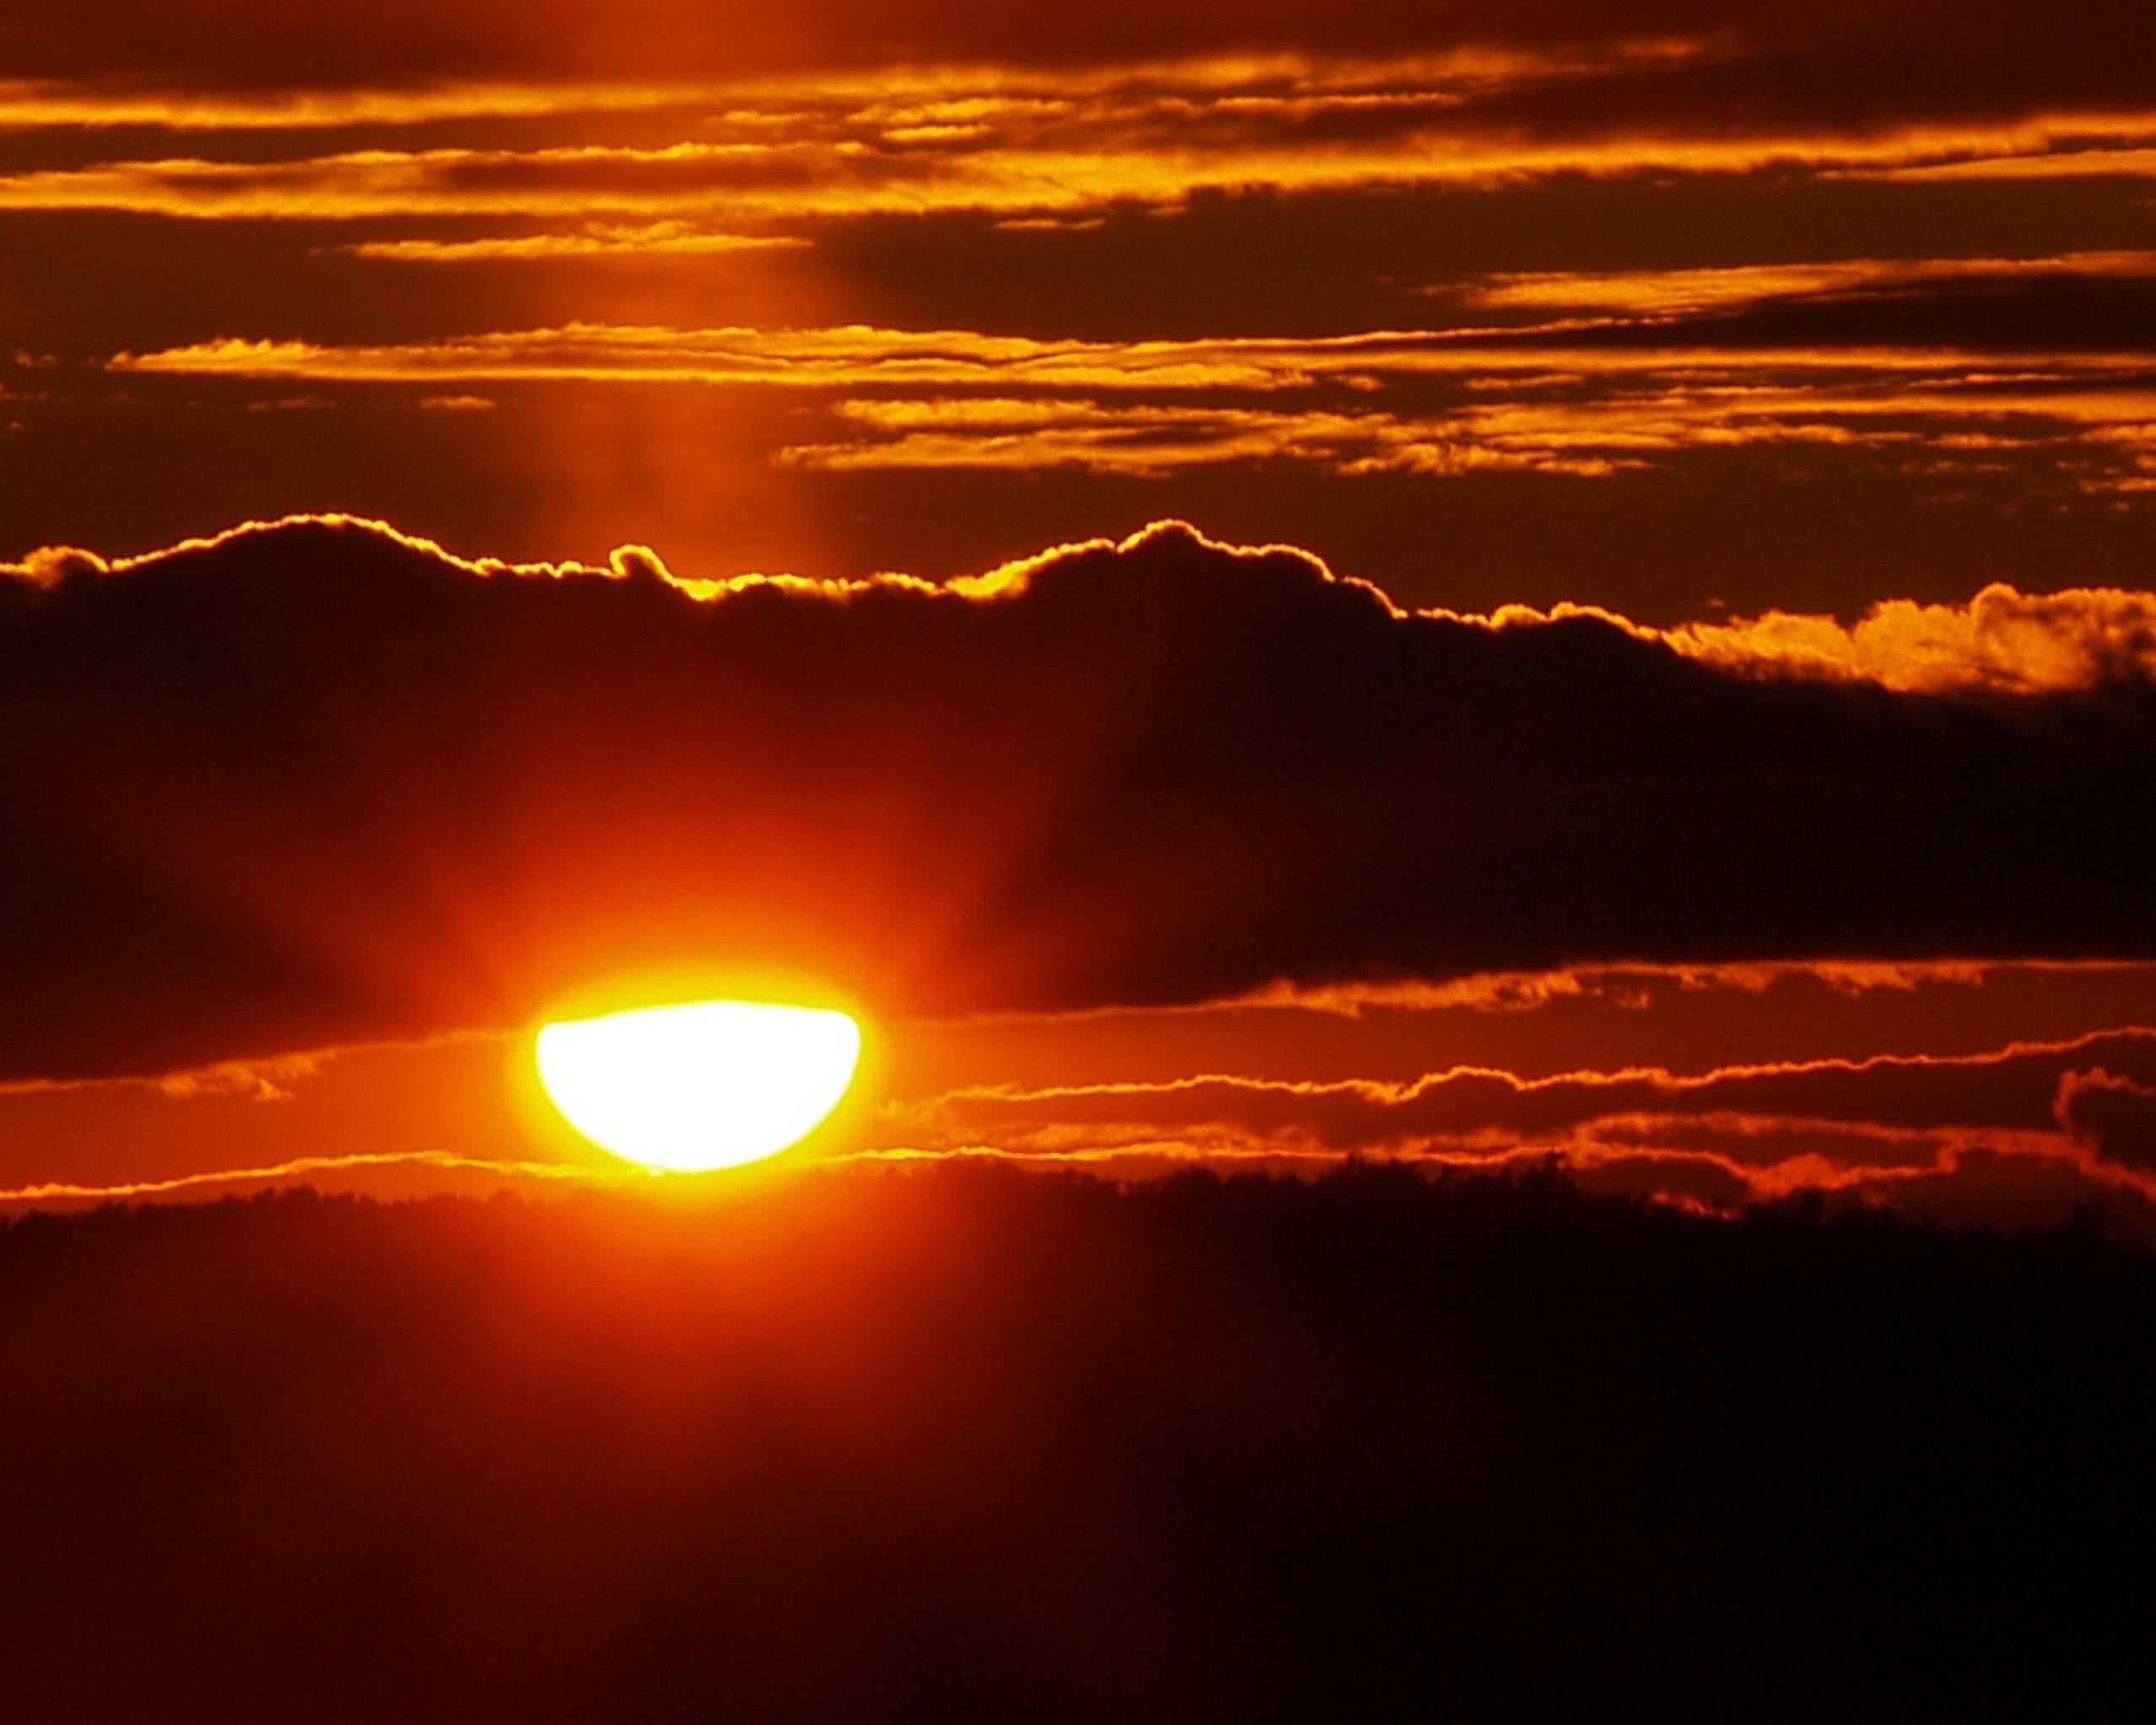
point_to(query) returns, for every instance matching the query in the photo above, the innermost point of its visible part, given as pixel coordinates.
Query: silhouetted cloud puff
(2113, 1114)
(316, 782)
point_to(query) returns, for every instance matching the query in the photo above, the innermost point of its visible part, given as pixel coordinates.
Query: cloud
(2113, 1114)
(1030, 140)
(1665, 293)
(2002, 1188)
(2001, 638)
(2017, 1136)
(1850, 1113)
(332, 1173)
(596, 239)
(1160, 160)
(340, 45)
(315, 783)
(1587, 398)
(1643, 66)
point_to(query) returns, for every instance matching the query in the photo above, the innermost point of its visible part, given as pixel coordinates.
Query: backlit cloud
(2024, 1131)
(773, 176)
(2113, 1114)
(1843, 1110)
(317, 783)
(1585, 399)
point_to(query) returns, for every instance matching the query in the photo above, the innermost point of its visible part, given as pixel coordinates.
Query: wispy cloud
(1009, 141)
(2081, 1107)
(310, 1168)
(1563, 398)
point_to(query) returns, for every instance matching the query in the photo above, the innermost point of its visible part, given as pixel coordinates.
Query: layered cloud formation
(316, 782)
(1743, 412)
(1648, 305)
(2043, 1124)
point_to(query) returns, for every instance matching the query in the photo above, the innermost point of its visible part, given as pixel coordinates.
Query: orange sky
(1712, 450)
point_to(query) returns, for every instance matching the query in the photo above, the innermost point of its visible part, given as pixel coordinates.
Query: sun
(690, 1089)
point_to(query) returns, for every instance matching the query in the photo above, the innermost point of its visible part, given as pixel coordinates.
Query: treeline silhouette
(971, 1444)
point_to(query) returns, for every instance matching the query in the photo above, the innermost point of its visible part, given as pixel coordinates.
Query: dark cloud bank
(316, 782)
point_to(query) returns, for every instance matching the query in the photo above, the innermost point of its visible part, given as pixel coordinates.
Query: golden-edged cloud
(1013, 142)
(2013, 1090)
(375, 791)
(756, 181)
(2076, 1116)
(1686, 292)
(1588, 399)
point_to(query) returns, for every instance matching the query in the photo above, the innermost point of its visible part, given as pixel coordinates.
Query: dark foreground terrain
(968, 1446)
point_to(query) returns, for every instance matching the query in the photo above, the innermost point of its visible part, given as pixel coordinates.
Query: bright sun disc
(691, 1088)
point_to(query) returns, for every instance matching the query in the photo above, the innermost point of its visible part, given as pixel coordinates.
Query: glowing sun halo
(690, 1089)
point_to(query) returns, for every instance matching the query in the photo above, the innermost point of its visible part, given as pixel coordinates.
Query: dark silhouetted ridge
(965, 1444)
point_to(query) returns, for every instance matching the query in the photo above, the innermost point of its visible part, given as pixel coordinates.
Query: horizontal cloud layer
(2022, 1134)
(1945, 372)
(1580, 265)
(1731, 58)
(1844, 1111)
(316, 782)
(1012, 122)
(2113, 1114)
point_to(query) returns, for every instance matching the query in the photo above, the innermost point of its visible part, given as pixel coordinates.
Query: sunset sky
(1247, 582)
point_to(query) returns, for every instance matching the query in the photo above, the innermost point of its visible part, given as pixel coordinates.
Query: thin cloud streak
(2078, 1115)
(1993, 1177)
(302, 1168)
(1558, 399)
(1667, 293)
(918, 101)
(2010, 1087)
(2097, 441)
(985, 141)
(593, 240)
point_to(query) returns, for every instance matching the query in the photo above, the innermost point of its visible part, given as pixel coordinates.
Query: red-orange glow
(1345, 774)
(826, 781)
